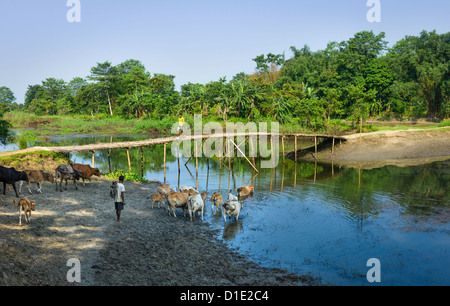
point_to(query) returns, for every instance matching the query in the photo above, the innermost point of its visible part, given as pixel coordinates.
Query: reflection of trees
(4, 131)
(418, 190)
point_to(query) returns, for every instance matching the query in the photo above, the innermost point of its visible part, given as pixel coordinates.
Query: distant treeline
(353, 79)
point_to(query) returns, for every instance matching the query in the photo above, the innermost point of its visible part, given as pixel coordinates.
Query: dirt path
(147, 248)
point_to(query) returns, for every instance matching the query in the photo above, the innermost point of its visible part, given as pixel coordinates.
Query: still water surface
(317, 219)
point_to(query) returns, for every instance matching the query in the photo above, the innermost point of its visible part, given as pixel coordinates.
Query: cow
(87, 171)
(66, 172)
(38, 177)
(11, 176)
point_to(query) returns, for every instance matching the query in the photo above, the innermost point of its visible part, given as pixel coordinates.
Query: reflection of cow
(87, 171)
(38, 177)
(66, 172)
(11, 176)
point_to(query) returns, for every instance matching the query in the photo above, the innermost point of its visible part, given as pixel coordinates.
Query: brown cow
(158, 198)
(25, 206)
(38, 177)
(216, 200)
(87, 171)
(178, 199)
(164, 189)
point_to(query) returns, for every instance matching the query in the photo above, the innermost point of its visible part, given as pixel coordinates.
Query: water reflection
(316, 218)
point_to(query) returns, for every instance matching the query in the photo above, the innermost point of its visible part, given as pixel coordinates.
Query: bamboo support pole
(129, 162)
(295, 174)
(252, 151)
(332, 147)
(229, 152)
(109, 160)
(164, 163)
(295, 147)
(196, 157)
(207, 173)
(178, 157)
(93, 158)
(315, 171)
(245, 156)
(142, 161)
(315, 147)
(282, 145)
(196, 166)
(360, 128)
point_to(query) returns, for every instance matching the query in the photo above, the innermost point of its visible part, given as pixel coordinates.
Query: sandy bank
(371, 150)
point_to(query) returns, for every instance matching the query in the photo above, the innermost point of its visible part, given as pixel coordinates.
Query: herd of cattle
(186, 197)
(192, 201)
(64, 172)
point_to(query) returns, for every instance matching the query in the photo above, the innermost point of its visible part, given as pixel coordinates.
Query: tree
(6, 100)
(423, 62)
(75, 86)
(31, 94)
(106, 76)
(378, 77)
(331, 102)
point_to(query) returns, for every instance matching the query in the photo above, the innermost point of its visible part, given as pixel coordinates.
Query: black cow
(11, 176)
(66, 172)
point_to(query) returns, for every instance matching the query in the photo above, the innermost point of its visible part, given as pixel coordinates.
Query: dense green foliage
(353, 79)
(129, 176)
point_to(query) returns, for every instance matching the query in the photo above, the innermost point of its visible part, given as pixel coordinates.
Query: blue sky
(197, 41)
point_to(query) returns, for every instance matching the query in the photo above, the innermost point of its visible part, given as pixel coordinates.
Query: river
(315, 218)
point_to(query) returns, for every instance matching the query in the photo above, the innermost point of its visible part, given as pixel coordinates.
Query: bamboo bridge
(230, 137)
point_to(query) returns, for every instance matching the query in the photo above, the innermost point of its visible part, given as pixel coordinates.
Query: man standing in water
(120, 197)
(180, 125)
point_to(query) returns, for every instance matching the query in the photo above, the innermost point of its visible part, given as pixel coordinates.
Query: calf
(195, 203)
(25, 206)
(158, 198)
(38, 177)
(66, 172)
(232, 197)
(164, 189)
(87, 171)
(216, 200)
(11, 176)
(231, 208)
(177, 199)
(186, 188)
(204, 194)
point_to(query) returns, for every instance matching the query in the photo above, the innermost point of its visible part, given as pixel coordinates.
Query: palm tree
(281, 108)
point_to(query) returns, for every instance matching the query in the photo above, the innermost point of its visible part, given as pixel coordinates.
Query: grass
(85, 124)
(35, 158)
(444, 123)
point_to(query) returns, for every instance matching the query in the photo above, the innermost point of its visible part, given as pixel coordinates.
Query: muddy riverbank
(147, 248)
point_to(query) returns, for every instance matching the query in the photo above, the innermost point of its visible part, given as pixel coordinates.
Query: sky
(197, 41)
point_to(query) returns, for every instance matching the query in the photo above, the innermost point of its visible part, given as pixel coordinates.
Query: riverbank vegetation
(313, 91)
